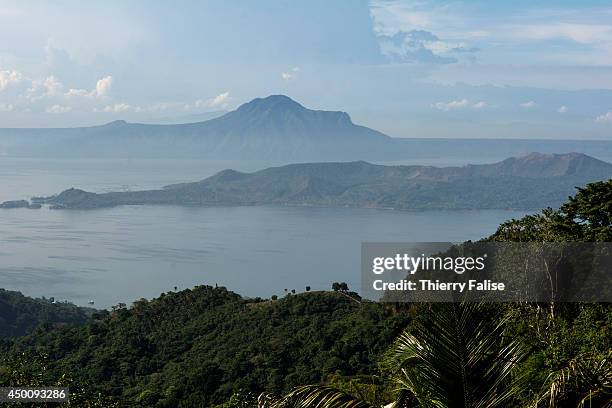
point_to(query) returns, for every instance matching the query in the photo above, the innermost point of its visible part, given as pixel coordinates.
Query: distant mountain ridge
(530, 182)
(181, 119)
(275, 127)
(548, 165)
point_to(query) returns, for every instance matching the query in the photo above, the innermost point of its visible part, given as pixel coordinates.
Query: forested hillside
(208, 346)
(20, 314)
(198, 347)
(499, 354)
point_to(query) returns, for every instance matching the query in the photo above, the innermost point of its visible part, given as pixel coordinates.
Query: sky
(520, 69)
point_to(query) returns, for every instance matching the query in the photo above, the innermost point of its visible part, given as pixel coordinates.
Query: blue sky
(408, 68)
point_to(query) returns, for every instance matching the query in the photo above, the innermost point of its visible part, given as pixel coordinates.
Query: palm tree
(454, 355)
(313, 396)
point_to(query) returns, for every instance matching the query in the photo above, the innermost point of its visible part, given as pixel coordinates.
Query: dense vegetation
(498, 355)
(201, 346)
(20, 314)
(567, 342)
(208, 346)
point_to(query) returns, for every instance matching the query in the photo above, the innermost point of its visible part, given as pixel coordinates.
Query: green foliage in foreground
(454, 356)
(32, 370)
(560, 354)
(570, 344)
(199, 347)
(210, 347)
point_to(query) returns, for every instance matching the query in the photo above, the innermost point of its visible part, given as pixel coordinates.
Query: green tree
(455, 356)
(585, 381)
(589, 213)
(586, 217)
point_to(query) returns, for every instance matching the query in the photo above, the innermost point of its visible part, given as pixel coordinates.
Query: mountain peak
(115, 123)
(555, 158)
(284, 111)
(272, 102)
(553, 165)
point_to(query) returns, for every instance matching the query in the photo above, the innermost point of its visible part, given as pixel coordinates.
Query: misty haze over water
(124, 253)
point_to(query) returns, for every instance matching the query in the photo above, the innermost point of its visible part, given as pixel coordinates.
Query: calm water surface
(125, 253)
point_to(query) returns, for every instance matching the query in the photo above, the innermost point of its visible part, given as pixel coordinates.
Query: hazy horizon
(405, 68)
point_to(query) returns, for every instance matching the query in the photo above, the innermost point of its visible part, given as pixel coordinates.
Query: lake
(125, 253)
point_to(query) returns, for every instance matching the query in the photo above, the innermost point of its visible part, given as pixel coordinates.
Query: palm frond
(317, 396)
(456, 357)
(587, 378)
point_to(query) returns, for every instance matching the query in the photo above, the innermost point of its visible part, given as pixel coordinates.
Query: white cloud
(58, 109)
(419, 46)
(562, 109)
(580, 33)
(102, 89)
(390, 17)
(458, 104)
(52, 86)
(291, 74)
(7, 107)
(47, 94)
(77, 92)
(9, 77)
(421, 31)
(446, 106)
(103, 86)
(528, 105)
(219, 101)
(605, 118)
(116, 108)
(43, 88)
(479, 105)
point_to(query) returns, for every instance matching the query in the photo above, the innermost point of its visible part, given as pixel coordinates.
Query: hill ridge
(270, 128)
(518, 184)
